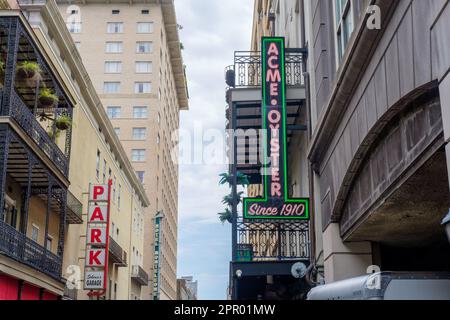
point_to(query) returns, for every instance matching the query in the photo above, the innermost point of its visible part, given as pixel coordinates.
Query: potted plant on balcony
(47, 98)
(63, 122)
(27, 70)
(54, 134)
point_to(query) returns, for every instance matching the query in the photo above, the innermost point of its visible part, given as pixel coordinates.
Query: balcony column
(4, 151)
(49, 208)
(62, 223)
(10, 63)
(27, 194)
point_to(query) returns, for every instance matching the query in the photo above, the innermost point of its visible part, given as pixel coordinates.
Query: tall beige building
(133, 55)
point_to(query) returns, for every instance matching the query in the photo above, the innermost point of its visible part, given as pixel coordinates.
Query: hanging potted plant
(28, 70)
(63, 122)
(47, 98)
(54, 134)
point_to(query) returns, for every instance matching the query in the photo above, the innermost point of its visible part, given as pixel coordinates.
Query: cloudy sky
(212, 31)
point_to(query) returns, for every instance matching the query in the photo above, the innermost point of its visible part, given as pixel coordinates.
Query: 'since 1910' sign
(275, 203)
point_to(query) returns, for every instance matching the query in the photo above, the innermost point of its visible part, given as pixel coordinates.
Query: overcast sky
(212, 31)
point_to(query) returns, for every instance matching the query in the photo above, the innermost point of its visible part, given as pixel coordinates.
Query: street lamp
(446, 224)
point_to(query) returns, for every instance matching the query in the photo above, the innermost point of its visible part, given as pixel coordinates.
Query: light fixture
(446, 224)
(239, 273)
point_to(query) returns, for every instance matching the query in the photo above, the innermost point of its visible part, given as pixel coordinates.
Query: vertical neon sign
(276, 203)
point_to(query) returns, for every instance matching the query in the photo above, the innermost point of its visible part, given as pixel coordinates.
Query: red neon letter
(93, 257)
(95, 235)
(97, 215)
(98, 191)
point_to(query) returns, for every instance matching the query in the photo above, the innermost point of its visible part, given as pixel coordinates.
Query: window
(34, 233)
(344, 25)
(113, 67)
(114, 47)
(144, 27)
(97, 165)
(115, 11)
(143, 67)
(111, 87)
(114, 112)
(142, 87)
(117, 131)
(140, 175)
(114, 27)
(78, 45)
(145, 11)
(144, 47)
(140, 112)
(139, 133)
(138, 155)
(118, 196)
(104, 171)
(74, 27)
(49, 243)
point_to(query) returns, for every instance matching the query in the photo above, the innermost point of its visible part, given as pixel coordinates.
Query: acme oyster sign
(275, 203)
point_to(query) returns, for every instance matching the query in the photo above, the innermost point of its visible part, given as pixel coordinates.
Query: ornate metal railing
(117, 254)
(18, 247)
(139, 274)
(27, 120)
(75, 209)
(246, 71)
(272, 241)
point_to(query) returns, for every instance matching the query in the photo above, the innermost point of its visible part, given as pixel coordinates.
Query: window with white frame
(140, 175)
(34, 233)
(142, 87)
(144, 27)
(74, 27)
(138, 155)
(139, 133)
(144, 47)
(344, 23)
(140, 112)
(114, 47)
(115, 27)
(111, 87)
(113, 67)
(143, 67)
(114, 113)
(117, 131)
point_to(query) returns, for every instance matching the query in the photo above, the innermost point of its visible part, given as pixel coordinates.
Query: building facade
(135, 65)
(379, 109)
(187, 288)
(374, 156)
(48, 229)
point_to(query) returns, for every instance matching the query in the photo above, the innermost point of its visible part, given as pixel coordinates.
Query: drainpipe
(306, 75)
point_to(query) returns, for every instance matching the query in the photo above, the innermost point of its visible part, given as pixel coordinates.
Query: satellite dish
(298, 270)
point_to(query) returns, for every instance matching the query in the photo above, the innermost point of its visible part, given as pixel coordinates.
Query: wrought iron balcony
(246, 70)
(116, 254)
(75, 209)
(20, 96)
(17, 246)
(139, 275)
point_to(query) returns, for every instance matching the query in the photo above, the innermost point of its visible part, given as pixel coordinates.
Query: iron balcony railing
(246, 70)
(75, 209)
(139, 275)
(276, 241)
(17, 246)
(116, 254)
(28, 122)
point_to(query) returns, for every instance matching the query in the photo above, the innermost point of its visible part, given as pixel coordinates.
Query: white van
(387, 286)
